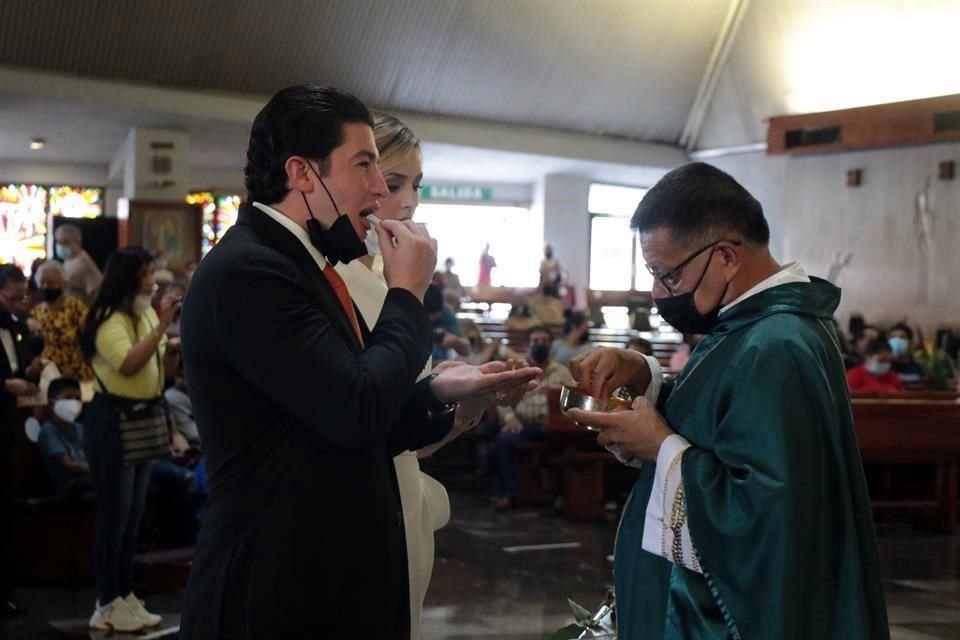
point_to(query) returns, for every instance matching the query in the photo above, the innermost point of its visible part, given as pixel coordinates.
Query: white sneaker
(98, 621)
(150, 620)
(117, 616)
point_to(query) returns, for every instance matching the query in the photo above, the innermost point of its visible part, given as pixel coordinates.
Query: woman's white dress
(426, 506)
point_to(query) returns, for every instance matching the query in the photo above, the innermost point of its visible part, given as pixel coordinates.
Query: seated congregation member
(857, 354)
(448, 340)
(750, 516)
(875, 374)
(680, 357)
(124, 338)
(575, 340)
(64, 459)
(300, 404)
(911, 373)
(483, 349)
(60, 317)
(547, 307)
(640, 345)
(181, 411)
(527, 420)
(61, 440)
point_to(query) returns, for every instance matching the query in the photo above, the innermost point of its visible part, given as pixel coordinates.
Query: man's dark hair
(433, 299)
(902, 326)
(877, 346)
(11, 273)
(304, 120)
(60, 385)
(698, 203)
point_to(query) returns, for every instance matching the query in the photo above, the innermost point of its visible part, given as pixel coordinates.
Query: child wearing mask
(875, 374)
(61, 440)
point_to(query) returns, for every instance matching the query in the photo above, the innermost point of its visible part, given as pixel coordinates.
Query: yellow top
(115, 337)
(61, 327)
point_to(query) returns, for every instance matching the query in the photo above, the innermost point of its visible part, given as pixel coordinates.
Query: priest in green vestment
(750, 517)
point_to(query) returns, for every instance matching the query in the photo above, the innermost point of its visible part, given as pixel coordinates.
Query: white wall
(891, 274)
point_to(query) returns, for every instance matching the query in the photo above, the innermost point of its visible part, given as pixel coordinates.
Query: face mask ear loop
(329, 195)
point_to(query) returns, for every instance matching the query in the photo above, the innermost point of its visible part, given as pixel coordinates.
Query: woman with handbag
(126, 425)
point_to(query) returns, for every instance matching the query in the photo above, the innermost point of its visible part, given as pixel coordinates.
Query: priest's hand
(602, 371)
(459, 381)
(638, 433)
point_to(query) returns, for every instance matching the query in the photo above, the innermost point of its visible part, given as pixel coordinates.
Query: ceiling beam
(711, 74)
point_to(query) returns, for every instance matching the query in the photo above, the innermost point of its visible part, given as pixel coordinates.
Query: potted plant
(601, 624)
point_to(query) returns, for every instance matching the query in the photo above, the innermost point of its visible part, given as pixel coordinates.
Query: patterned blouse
(61, 336)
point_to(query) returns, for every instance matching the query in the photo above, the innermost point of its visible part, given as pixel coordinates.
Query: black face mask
(339, 243)
(681, 312)
(51, 294)
(540, 352)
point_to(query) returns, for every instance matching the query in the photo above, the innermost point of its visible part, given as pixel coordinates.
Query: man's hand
(638, 433)
(602, 371)
(36, 368)
(20, 387)
(179, 446)
(460, 381)
(511, 396)
(408, 264)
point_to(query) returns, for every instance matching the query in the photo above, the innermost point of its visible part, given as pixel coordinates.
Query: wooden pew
(901, 431)
(891, 431)
(582, 463)
(54, 536)
(947, 396)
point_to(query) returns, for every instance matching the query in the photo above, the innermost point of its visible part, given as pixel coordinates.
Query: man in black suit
(300, 405)
(18, 375)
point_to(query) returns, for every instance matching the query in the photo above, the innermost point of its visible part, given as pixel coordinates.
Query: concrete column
(154, 164)
(566, 226)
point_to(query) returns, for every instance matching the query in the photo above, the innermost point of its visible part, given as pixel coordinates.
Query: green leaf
(569, 632)
(584, 617)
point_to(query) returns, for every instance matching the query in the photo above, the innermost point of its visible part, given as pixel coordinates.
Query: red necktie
(340, 287)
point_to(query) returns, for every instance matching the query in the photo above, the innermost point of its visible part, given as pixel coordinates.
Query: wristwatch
(435, 406)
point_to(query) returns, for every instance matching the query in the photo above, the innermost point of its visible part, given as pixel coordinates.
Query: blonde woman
(426, 507)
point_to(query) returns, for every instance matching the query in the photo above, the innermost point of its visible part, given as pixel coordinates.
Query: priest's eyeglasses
(671, 279)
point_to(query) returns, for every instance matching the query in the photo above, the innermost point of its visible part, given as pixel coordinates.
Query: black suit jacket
(303, 534)
(8, 402)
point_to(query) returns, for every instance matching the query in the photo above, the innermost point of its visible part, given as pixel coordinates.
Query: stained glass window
(23, 224)
(227, 208)
(76, 202)
(209, 227)
(219, 214)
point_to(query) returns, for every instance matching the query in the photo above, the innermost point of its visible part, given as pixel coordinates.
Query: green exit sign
(462, 192)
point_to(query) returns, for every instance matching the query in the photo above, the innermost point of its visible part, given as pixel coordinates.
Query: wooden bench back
(907, 431)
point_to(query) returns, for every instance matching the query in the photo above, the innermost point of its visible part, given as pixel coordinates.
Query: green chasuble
(776, 502)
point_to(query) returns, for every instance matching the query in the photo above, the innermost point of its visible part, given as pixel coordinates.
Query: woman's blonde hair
(394, 139)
